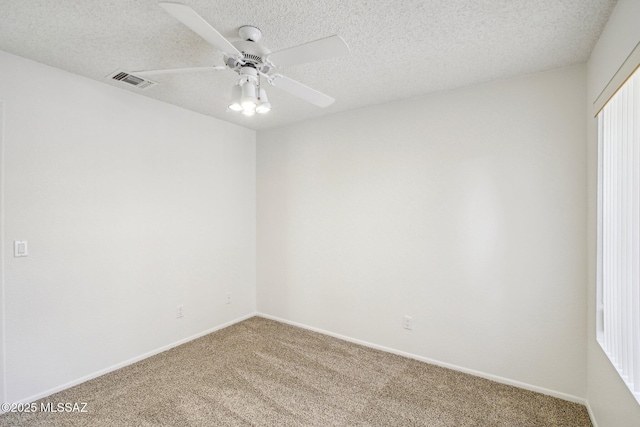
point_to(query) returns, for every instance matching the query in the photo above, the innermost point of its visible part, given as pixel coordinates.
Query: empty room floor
(264, 373)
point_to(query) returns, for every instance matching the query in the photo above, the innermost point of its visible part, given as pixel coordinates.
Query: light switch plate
(20, 248)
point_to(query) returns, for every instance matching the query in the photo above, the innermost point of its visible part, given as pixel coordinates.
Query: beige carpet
(264, 373)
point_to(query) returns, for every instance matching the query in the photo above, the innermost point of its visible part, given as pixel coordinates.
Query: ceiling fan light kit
(247, 97)
(254, 63)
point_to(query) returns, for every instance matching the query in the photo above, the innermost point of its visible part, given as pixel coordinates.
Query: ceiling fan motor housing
(253, 54)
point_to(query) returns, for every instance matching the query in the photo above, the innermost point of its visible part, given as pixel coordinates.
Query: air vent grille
(130, 79)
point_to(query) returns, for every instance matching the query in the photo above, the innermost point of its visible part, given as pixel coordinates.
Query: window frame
(613, 349)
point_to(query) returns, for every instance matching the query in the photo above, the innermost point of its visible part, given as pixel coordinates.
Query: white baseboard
(498, 379)
(130, 361)
(591, 414)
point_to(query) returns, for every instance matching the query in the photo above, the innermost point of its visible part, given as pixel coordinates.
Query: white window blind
(619, 231)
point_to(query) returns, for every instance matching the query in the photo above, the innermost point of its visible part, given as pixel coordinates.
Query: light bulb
(249, 105)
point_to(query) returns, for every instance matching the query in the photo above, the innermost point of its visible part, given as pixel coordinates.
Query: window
(619, 231)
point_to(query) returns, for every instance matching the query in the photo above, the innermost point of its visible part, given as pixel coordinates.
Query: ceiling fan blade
(177, 70)
(302, 91)
(329, 47)
(198, 25)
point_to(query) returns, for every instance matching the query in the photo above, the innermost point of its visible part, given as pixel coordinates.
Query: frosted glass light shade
(249, 96)
(264, 106)
(236, 98)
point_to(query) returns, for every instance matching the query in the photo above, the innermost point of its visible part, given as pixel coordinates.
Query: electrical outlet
(407, 322)
(180, 311)
(228, 300)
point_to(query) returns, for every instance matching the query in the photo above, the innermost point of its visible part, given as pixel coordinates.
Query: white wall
(609, 399)
(463, 209)
(130, 207)
(2, 369)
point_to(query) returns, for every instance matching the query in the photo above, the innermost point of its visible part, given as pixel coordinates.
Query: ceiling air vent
(137, 81)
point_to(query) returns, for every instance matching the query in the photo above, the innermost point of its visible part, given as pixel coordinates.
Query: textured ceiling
(399, 48)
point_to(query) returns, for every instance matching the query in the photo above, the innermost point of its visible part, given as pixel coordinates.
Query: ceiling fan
(253, 62)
